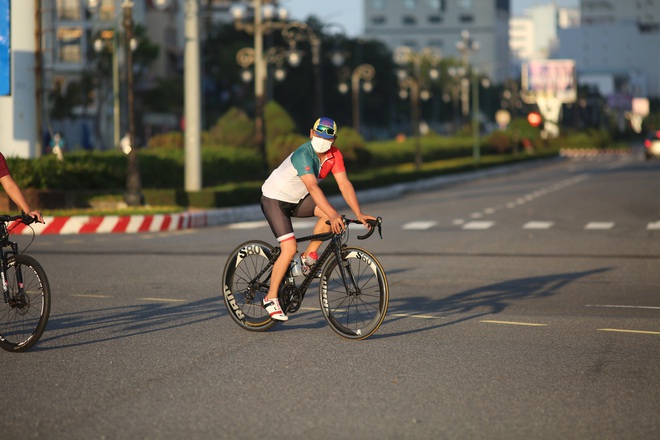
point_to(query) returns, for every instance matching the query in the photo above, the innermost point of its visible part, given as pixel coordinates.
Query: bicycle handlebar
(373, 223)
(23, 217)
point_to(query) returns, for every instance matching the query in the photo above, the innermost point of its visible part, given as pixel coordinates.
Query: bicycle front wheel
(354, 300)
(24, 315)
(244, 288)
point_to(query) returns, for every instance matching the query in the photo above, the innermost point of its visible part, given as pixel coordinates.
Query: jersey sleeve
(338, 165)
(302, 162)
(4, 169)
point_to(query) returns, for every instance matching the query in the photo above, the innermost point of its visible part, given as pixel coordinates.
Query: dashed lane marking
(162, 299)
(599, 225)
(538, 225)
(478, 225)
(653, 226)
(419, 225)
(249, 225)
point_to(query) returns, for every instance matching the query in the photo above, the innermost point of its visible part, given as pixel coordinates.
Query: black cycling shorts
(279, 213)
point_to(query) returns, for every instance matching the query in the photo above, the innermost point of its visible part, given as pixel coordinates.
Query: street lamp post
(133, 196)
(466, 46)
(363, 72)
(412, 80)
(111, 43)
(295, 32)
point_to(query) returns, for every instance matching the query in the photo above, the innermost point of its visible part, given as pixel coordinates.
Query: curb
(131, 224)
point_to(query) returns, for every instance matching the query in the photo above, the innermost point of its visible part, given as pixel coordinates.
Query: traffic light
(534, 119)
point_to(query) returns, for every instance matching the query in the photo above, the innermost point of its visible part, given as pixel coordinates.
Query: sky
(349, 13)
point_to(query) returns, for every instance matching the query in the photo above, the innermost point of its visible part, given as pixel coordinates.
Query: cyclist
(292, 190)
(14, 191)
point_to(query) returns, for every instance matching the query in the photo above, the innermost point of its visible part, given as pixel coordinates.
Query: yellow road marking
(628, 331)
(530, 324)
(163, 299)
(81, 295)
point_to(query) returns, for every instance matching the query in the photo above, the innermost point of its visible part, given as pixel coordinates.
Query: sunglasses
(324, 129)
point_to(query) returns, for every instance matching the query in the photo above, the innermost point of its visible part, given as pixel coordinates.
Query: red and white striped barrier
(113, 224)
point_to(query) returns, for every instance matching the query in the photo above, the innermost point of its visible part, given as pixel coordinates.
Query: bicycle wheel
(354, 309)
(24, 317)
(243, 292)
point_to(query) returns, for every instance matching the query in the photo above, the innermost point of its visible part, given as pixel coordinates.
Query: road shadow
(106, 324)
(478, 302)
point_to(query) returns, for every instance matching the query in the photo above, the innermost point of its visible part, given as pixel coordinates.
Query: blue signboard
(5, 46)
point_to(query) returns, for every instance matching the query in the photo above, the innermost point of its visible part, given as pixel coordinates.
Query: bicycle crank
(290, 298)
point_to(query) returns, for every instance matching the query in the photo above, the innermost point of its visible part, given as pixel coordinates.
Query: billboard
(5, 47)
(555, 79)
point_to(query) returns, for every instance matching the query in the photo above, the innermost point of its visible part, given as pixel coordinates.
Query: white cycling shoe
(273, 308)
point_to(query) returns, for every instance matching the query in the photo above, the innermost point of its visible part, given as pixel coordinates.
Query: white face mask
(321, 145)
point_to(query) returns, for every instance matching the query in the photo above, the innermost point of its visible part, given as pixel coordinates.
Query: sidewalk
(131, 224)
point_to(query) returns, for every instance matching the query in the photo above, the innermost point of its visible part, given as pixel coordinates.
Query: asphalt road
(525, 306)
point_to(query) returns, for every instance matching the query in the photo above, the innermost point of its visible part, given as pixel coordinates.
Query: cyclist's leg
(277, 214)
(307, 208)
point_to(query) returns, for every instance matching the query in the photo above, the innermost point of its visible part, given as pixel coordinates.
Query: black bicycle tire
(368, 260)
(234, 300)
(44, 287)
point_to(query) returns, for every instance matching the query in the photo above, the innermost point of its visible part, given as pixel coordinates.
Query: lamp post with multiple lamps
(108, 40)
(132, 196)
(364, 73)
(413, 83)
(466, 46)
(293, 32)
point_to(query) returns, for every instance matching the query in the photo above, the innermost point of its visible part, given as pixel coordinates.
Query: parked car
(652, 145)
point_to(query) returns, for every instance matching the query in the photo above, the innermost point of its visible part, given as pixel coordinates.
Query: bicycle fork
(19, 299)
(346, 273)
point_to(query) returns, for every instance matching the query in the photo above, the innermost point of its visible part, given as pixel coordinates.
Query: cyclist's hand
(36, 215)
(364, 217)
(337, 224)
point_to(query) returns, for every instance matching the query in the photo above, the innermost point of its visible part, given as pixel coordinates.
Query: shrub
(277, 122)
(282, 146)
(234, 128)
(173, 139)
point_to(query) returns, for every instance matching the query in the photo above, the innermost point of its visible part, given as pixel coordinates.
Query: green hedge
(159, 168)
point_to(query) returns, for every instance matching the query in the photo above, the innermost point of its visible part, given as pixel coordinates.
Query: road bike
(26, 293)
(353, 289)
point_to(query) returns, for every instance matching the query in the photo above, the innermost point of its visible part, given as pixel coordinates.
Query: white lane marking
(538, 225)
(476, 215)
(303, 224)
(599, 225)
(653, 226)
(419, 225)
(458, 221)
(248, 225)
(478, 225)
(489, 210)
(162, 299)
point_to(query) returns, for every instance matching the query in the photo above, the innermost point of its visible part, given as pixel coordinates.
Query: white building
(534, 35)
(617, 47)
(439, 23)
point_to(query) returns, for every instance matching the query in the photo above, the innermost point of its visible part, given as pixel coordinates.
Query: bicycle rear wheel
(243, 292)
(354, 306)
(24, 317)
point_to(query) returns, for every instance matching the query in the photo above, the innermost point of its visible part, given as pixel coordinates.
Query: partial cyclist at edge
(292, 190)
(14, 191)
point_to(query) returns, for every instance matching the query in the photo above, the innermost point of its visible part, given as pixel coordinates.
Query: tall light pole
(413, 81)
(295, 32)
(258, 27)
(133, 196)
(466, 46)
